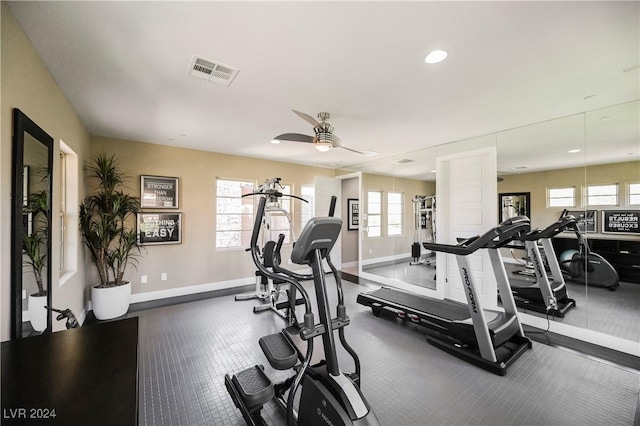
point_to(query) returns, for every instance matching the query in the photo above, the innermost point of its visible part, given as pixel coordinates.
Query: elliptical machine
(328, 396)
(585, 267)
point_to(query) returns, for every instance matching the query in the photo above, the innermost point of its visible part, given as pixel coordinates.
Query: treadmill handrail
(565, 223)
(493, 238)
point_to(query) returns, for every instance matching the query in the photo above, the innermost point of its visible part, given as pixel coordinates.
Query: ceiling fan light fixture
(323, 146)
(436, 56)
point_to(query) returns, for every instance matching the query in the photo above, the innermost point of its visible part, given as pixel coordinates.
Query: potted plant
(34, 250)
(106, 225)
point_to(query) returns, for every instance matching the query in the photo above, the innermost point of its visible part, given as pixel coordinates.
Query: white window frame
(287, 205)
(374, 210)
(390, 216)
(307, 210)
(247, 207)
(600, 199)
(68, 213)
(551, 198)
(633, 193)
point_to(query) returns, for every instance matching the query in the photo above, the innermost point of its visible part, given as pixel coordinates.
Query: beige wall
(26, 84)
(537, 184)
(197, 261)
(350, 239)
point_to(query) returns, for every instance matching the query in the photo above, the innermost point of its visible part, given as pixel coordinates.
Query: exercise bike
(328, 396)
(585, 267)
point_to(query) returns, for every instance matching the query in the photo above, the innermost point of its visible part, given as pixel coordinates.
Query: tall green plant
(34, 244)
(104, 219)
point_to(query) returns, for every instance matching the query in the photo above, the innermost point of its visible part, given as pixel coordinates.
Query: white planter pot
(110, 302)
(38, 312)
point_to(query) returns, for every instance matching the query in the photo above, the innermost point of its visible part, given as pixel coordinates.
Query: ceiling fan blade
(337, 142)
(294, 137)
(307, 118)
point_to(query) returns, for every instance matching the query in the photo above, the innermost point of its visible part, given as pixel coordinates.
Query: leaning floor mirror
(30, 228)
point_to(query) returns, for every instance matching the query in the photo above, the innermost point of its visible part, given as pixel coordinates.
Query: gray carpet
(185, 351)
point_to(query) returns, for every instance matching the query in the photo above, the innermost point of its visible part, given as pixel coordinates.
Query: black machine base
(507, 353)
(558, 312)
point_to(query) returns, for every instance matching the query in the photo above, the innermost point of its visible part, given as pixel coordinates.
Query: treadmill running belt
(443, 309)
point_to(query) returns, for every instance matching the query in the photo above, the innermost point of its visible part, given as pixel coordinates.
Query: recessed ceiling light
(606, 117)
(589, 97)
(275, 141)
(433, 171)
(573, 151)
(436, 56)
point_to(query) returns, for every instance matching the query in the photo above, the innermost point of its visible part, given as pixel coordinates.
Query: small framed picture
(353, 214)
(159, 228)
(158, 192)
(587, 220)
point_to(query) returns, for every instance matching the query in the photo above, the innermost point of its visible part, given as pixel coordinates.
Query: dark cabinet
(624, 255)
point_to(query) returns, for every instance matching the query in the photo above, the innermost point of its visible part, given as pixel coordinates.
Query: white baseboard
(194, 289)
(386, 259)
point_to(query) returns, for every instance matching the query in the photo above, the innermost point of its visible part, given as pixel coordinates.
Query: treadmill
(544, 294)
(490, 339)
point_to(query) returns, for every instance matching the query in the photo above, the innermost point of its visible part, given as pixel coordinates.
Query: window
(634, 193)
(374, 213)
(279, 224)
(561, 197)
(67, 213)
(602, 195)
(63, 204)
(234, 214)
(307, 210)
(394, 213)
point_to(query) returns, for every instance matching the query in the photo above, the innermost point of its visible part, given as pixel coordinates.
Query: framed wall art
(159, 228)
(353, 214)
(158, 192)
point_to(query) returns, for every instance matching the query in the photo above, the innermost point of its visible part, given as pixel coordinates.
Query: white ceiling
(123, 66)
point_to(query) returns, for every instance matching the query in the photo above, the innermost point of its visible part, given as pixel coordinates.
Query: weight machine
(274, 220)
(424, 213)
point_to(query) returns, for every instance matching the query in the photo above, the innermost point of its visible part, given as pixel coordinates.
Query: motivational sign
(160, 228)
(586, 220)
(616, 222)
(158, 192)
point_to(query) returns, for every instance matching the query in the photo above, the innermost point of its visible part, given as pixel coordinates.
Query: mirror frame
(21, 125)
(527, 207)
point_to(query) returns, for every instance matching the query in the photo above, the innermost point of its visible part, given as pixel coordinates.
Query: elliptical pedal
(253, 386)
(279, 351)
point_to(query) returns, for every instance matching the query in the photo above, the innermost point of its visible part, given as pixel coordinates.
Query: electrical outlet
(370, 251)
(163, 276)
(24, 294)
(143, 279)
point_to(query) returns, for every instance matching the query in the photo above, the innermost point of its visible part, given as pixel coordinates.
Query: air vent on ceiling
(206, 69)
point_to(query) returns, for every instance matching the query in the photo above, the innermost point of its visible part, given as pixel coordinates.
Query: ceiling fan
(324, 138)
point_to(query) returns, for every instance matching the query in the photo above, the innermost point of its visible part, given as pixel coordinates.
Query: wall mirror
(31, 228)
(598, 147)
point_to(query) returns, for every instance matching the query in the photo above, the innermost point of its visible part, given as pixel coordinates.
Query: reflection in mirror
(514, 204)
(545, 160)
(612, 180)
(31, 230)
(390, 223)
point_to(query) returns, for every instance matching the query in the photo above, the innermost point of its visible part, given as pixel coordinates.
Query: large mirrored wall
(589, 154)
